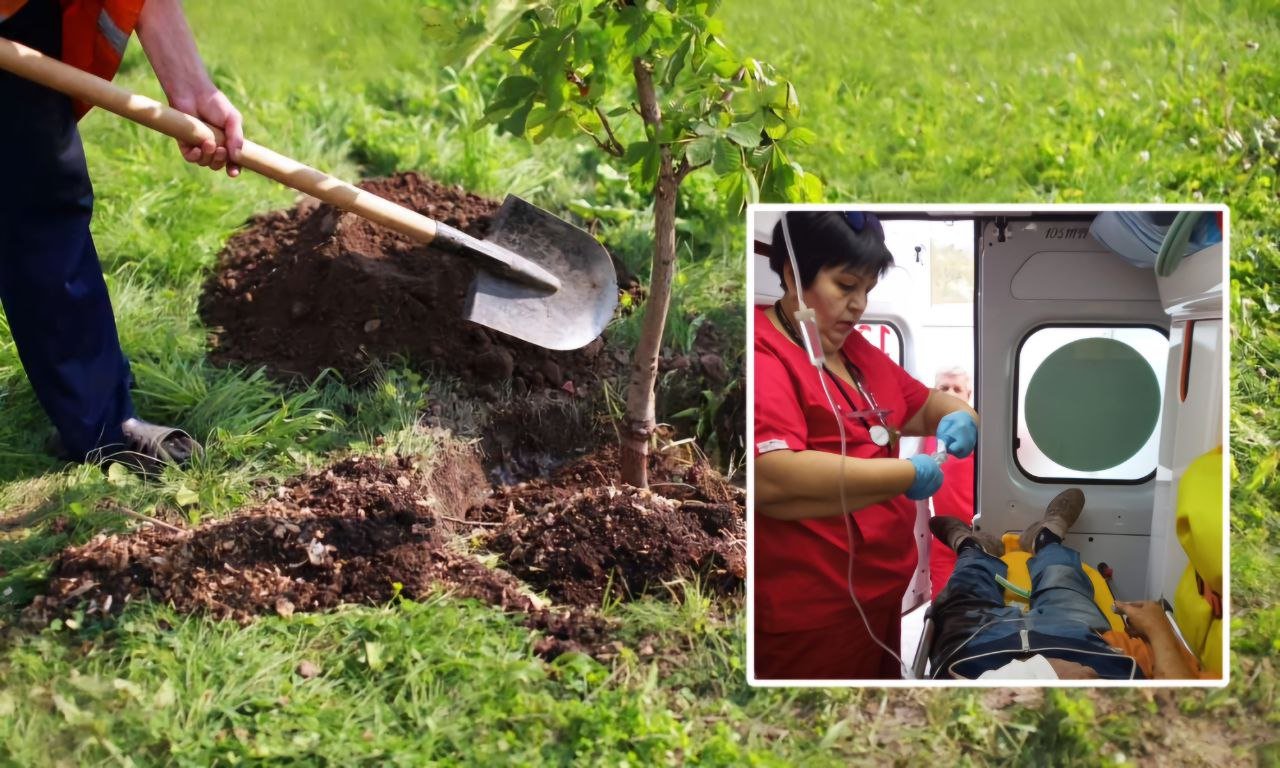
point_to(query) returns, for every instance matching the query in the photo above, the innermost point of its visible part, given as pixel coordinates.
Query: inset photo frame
(988, 445)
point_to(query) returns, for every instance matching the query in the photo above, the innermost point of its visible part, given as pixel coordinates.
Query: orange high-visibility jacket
(94, 33)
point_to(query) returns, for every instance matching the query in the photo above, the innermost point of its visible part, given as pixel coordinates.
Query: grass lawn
(1095, 102)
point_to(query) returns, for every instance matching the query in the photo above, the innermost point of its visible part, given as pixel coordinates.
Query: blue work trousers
(975, 624)
(51, 283)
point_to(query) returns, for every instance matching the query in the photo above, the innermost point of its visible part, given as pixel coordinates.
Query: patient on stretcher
(1064, 634)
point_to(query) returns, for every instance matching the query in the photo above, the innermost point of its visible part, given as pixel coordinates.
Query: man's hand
(1146, 619)
(214, 108)
(171, 49)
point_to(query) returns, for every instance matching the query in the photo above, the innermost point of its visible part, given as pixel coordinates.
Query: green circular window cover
(1092, 404)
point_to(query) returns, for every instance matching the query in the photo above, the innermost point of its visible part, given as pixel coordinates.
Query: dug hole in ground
(527, 472)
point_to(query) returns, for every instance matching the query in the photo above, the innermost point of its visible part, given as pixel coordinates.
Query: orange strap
(1136, 648)
(1212, 598)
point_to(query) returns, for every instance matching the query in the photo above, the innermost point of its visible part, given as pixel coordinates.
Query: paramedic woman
(806, 625)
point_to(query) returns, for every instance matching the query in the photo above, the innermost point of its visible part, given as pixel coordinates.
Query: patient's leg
(971, 600)
(1060, 590)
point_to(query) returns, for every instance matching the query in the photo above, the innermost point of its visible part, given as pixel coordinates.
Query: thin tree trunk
(640, 422)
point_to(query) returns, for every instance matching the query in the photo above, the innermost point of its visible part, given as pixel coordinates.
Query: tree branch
(115, 506)
(618, 150)
(608, 149)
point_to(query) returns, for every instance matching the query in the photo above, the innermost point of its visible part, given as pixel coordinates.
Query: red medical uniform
(806, 625)
(955, 499)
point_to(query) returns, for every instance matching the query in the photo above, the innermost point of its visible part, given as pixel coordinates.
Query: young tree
(658, 91)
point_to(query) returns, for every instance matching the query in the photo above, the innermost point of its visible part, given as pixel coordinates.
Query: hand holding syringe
(957, 434)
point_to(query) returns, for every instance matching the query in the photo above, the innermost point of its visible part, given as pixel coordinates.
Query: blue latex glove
(958, 433)
(928, 477)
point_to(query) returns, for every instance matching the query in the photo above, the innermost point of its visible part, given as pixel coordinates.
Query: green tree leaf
(752, 187)
(747, 133)
(512, 91)
(731, 188)
(637, 150)
(800, 136)
(727, 158)
(774, 126)
(700, 150)
(515, 122)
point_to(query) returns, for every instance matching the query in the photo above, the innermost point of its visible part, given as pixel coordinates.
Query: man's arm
(1147, 620)
(171, 49)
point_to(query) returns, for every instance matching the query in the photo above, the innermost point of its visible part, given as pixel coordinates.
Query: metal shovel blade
(569, 318)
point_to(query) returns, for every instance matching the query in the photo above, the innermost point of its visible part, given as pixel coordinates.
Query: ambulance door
(1194, 416)
(1072, 346)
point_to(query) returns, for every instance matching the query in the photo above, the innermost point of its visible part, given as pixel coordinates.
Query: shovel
(541, 279)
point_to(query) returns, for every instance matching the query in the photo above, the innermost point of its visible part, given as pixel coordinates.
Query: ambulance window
(1089, 401)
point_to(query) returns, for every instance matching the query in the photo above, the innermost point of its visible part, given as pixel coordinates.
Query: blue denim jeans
(976, 631)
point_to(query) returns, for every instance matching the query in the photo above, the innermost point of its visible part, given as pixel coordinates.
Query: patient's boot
(1059, 516)
(953, 532)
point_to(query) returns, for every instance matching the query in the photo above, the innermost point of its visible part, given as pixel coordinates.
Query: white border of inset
(966, 211)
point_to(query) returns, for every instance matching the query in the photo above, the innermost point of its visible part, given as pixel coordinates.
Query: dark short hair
(826, 239)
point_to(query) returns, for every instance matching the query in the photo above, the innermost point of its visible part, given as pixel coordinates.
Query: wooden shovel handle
(51, 73)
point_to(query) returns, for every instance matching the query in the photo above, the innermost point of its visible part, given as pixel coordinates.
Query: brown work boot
(1059, 516)
(953, 532)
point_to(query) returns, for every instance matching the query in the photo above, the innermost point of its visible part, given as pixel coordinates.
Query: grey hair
(955, 370)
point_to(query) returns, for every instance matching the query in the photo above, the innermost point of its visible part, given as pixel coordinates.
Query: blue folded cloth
(1136, 235)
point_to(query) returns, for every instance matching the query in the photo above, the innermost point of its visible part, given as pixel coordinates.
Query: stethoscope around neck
(880, 432)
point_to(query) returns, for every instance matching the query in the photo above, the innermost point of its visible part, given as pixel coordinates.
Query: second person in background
(955, 497)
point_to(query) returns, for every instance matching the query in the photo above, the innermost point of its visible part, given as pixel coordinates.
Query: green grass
(912, 102)
(401, 685)
(932, 101)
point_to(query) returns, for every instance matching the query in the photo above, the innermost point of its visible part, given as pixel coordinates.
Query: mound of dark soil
(347, 534)
(313, 287)
(364, 531)
(576, 535)
(625, 541)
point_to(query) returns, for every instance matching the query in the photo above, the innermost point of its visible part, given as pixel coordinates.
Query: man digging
(51, 283)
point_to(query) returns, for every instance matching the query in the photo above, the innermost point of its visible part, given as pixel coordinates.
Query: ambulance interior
(1096, 350)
